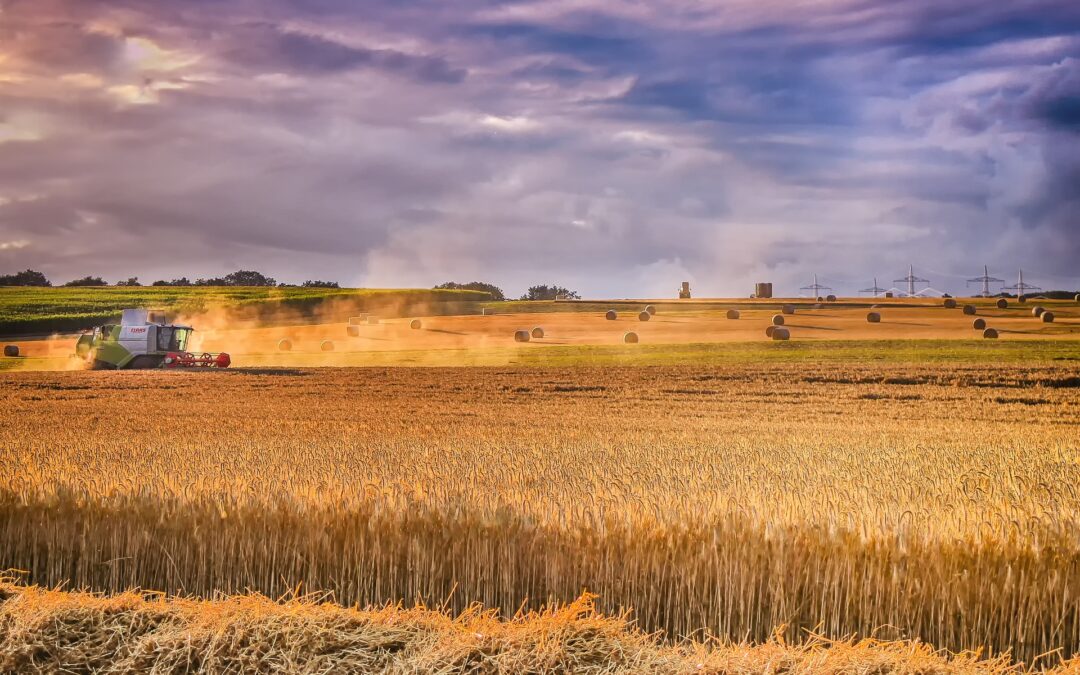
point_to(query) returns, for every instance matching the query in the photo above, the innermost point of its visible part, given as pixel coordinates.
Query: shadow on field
(286, 372)
(797, 325)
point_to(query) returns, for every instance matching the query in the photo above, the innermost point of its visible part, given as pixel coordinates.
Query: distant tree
(215, 281)
(182, 281)
(320, 284)
(131, 281)
(24, 278)
(493, 290)
(87, 281)
(545, 292)
(248, 278)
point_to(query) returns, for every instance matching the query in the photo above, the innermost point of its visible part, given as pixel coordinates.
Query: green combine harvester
(143, 339)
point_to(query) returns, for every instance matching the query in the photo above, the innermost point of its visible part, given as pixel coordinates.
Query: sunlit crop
(938, 503)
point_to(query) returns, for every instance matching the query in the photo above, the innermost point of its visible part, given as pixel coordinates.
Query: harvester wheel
(143, 363)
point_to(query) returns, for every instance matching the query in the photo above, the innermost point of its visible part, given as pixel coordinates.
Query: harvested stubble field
(938, 503)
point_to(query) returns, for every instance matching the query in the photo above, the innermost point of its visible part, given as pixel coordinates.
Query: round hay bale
(781, 333)
(830, 298)
(873, 317)
(416, 324)
(630, 338)
(1077, 298)
(990, 334)
(538, 332)
(353, 331)
(969, 310)
(1037, 310)
(651, 310)
(11, 350)
(1002, 303)
(521, 336)
(788, 309)
(284, 345)
(372, 320)
(1022, 299)
(1048, 317)
(327, 345)
(733, 314)
(950, 303)
(769, 331)
(778, 320)
(644, 316)
(611, 315)
(820, 299)
(978, 324)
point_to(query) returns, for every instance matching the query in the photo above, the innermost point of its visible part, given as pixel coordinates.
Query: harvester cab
(143, 339)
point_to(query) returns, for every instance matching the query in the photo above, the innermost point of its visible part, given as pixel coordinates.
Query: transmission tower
(875, 291)
(985, 280)
(816, 288)
(911, 280)
(1021, 288)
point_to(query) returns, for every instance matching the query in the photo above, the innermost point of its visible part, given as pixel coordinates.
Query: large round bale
(611, 315)
(644, 316)
(538, 332)
(778, 320)
(11, 350)
(284, 345)
(630, 338)
(327, 345)
(788, 309)
(990, 334)
(830, 298)
(873, 317)
(1021, 299)
(733, 314)
(820, 299)
(769, 331)
(969, 310)
(1037, 311)
(353, 331)
(1048, 317)
(521, 336)
(1077, 298)
(950, 303)
(416, 324)
(781, 333)
(651, 310)
(978, 324)
(1002, 303)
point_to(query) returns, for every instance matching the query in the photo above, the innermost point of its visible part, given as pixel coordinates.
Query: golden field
(52, 631)
(579, 333)
(935, 502)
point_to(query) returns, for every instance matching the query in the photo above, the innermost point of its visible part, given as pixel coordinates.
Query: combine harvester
(143, 339)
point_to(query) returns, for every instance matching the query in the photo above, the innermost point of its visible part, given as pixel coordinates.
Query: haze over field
(616, 147)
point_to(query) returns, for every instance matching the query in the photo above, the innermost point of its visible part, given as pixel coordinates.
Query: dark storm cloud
(269, 48)
(618, 146)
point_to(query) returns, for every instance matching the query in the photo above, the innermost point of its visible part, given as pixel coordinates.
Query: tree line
(253, 278)
(238, 278)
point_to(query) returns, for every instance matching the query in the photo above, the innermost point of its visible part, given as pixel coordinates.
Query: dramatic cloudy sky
(613, 146)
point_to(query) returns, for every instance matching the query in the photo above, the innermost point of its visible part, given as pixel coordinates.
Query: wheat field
(933, 503)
